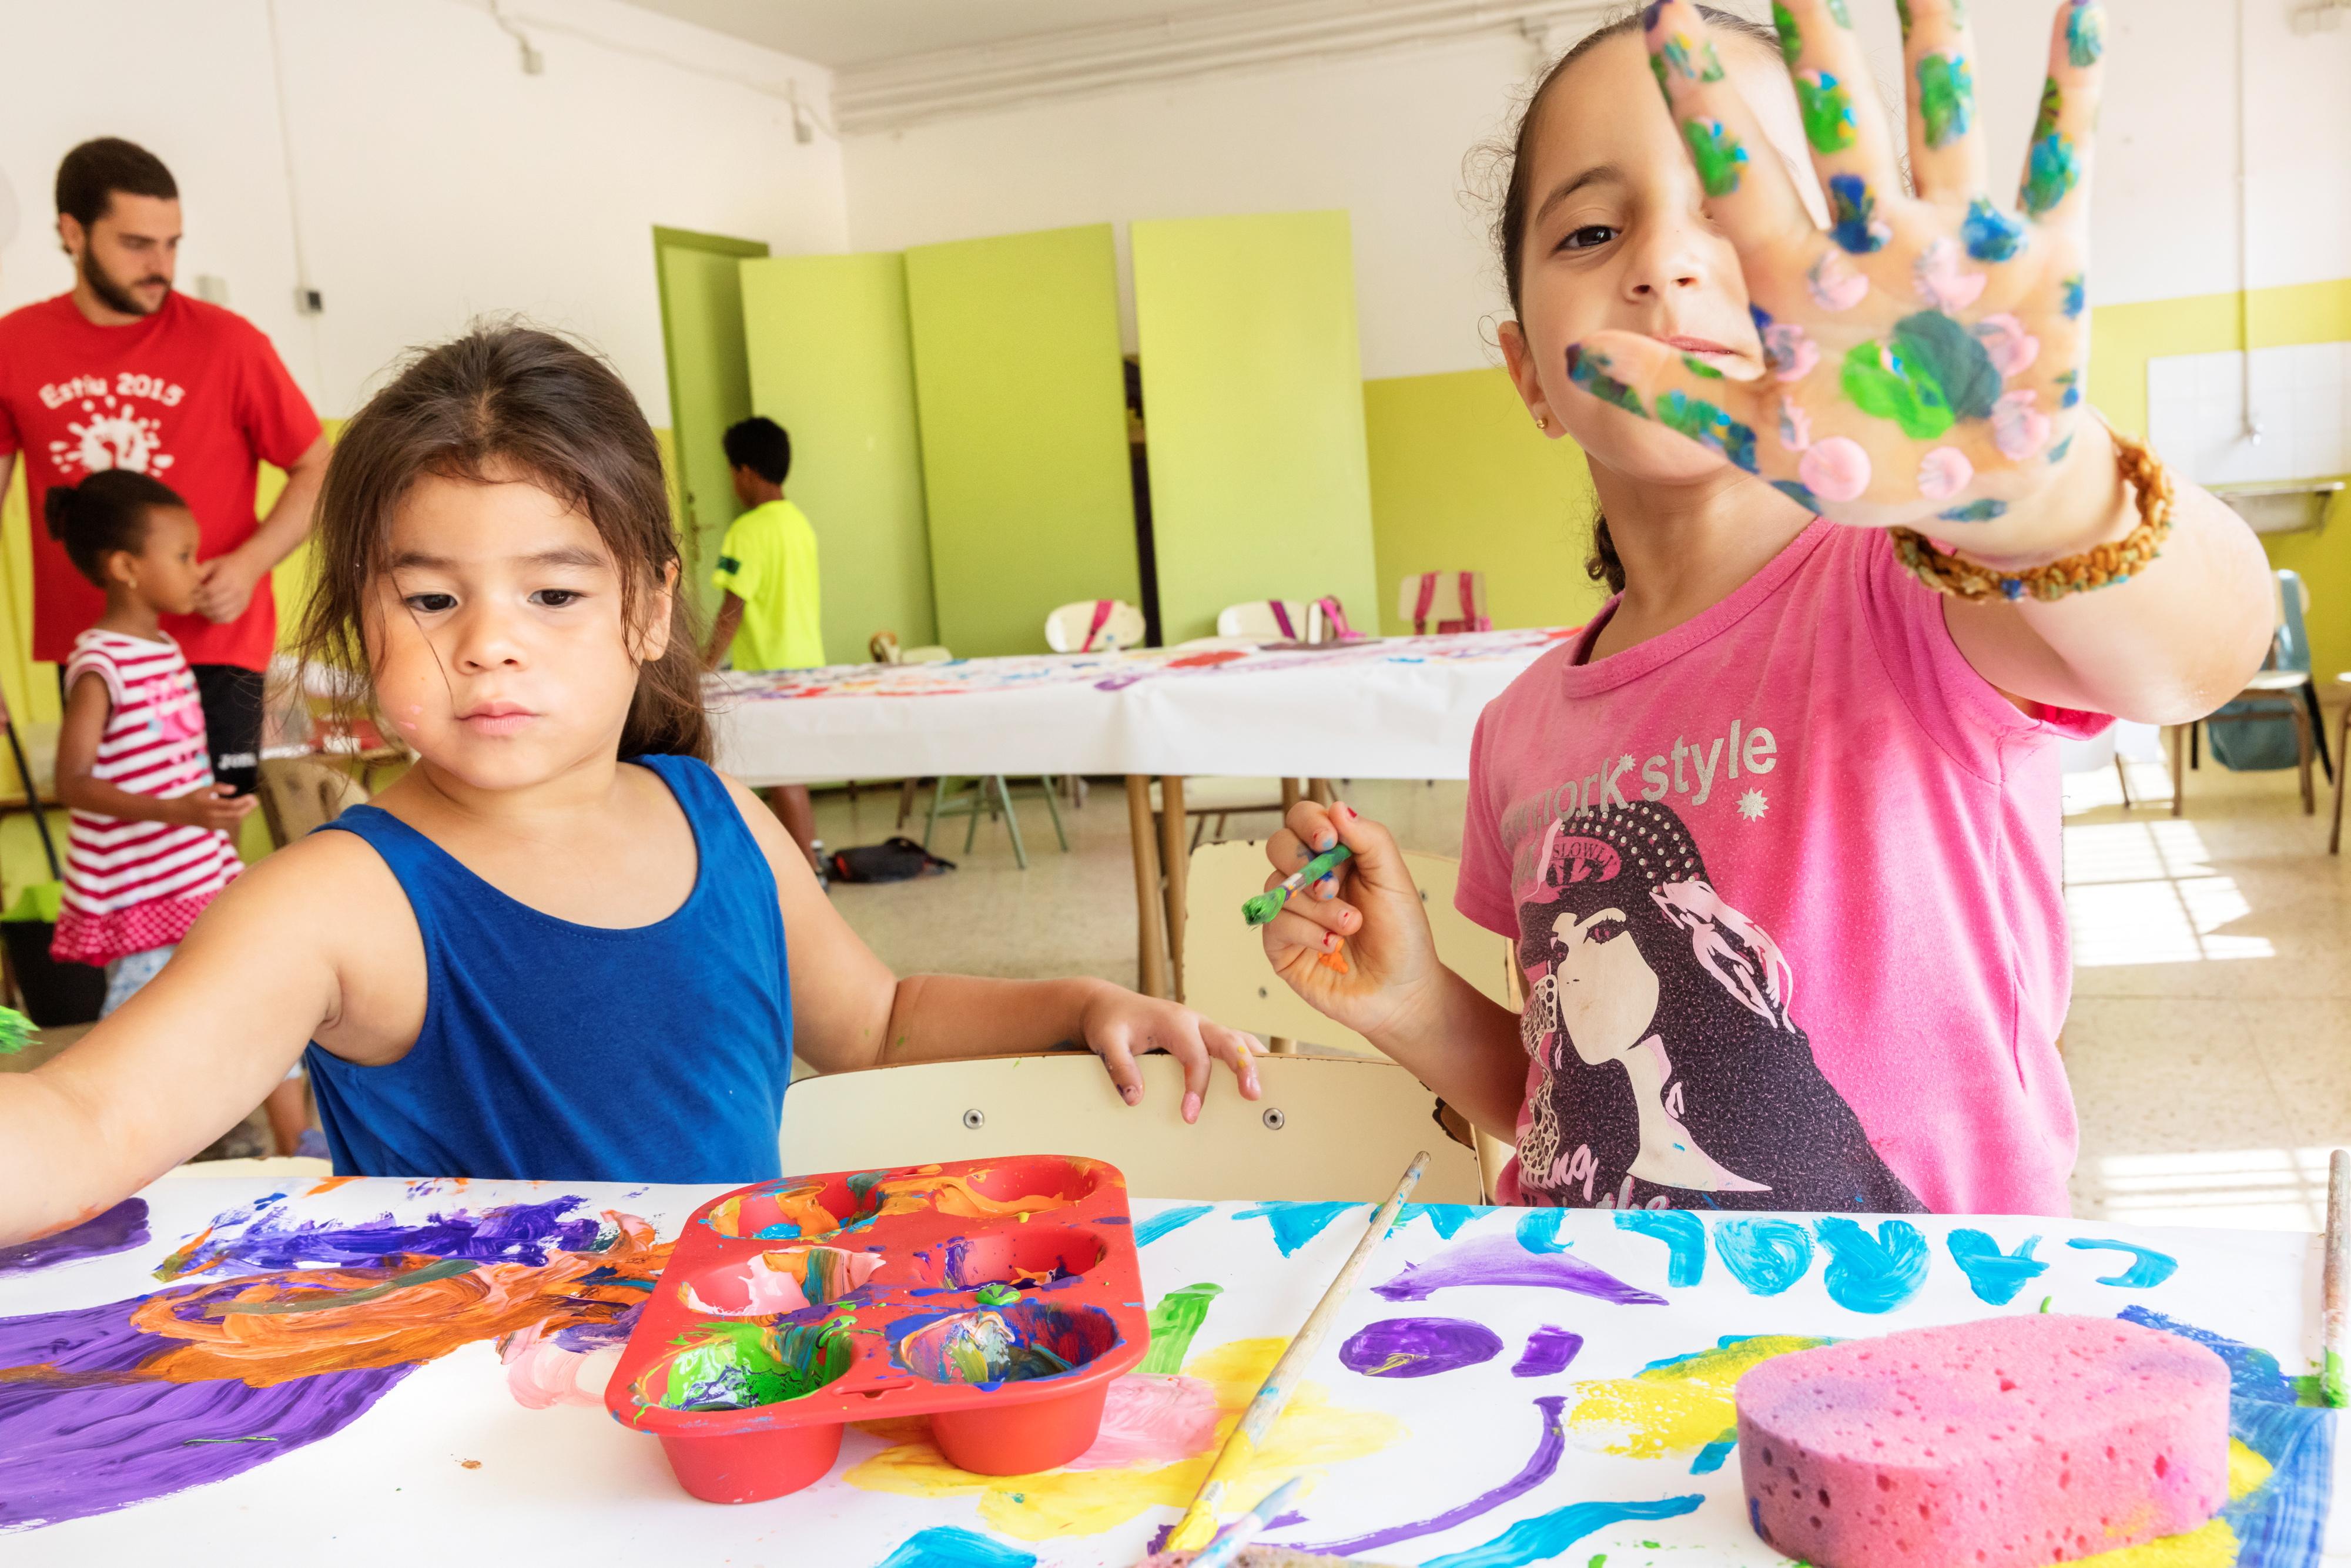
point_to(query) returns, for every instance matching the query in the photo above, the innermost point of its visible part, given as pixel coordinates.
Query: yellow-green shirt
(768, 561)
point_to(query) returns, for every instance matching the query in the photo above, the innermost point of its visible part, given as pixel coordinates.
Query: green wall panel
(829, 362)
(709, 384)
(1253, 404)
(1463, 481)
(1018, 378)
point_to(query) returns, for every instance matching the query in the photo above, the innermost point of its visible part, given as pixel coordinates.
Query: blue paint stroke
(1447, 1218)
(2284, 1521)
(946, 1546)
(1766, 1256)
(509, 1233)
(1683, 1233)
(1536, 1470)
(1872, 1274)
(1710, 1459)
(1147, 1231)
(2148, 1267)
(1979, 511)
(1549, 1349)
(1994, 1275)
(1500, 1261)
(1545, 1536)
(1296, 1224)
(1991, 233)
(119, 1229)
(1538, 1231)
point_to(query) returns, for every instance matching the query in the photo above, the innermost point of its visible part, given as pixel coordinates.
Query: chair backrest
(1264, 620)
(299, 793)
(1344, 1131)
(1093, 626)
(1326, 621)
(1444, 602)
(2291, 649)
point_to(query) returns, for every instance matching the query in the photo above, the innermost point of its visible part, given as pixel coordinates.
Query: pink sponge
(2005, 1443)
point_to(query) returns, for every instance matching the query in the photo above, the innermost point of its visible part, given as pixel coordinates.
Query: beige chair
(299, 793)
(1265, 621)
(1093, 626)
(1324, 1130)
(1443, 603)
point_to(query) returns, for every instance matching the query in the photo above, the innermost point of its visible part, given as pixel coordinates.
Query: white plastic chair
(1093, 626)
(1265, 621)
(1444, 602)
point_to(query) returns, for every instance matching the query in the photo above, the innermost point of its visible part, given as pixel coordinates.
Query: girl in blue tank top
(561, 946)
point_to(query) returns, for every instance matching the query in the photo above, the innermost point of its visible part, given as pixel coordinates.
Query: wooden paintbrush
(1199, 1522)
(2338, 1216)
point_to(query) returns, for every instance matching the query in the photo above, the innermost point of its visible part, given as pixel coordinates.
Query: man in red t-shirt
(123, 372)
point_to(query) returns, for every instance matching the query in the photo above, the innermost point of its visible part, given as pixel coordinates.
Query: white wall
(435, 179)
(1384, 137)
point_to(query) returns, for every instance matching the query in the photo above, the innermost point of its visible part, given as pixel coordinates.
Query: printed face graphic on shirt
(1674, 1074)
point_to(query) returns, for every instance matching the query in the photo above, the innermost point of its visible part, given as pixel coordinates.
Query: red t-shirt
(194, 396)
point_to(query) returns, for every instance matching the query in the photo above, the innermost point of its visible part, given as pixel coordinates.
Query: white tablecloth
(1398, 707)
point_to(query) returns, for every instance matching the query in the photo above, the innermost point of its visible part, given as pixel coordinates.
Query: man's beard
(114, 296)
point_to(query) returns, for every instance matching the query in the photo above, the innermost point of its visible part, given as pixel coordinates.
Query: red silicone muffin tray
(997, 1297)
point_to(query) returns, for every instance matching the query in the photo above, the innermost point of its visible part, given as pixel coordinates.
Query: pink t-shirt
(1785, 886)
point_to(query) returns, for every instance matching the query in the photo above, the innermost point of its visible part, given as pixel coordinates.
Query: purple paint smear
(119, 1229)
(1539, 1468)
(1549, 1349)
(511, 1233)
(1418, 1347)
(1502, 1260)
(69, 1453)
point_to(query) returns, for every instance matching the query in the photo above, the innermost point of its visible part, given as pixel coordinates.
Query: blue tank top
(564, 1052)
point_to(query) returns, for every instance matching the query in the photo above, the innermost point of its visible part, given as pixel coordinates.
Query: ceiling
(847, 33)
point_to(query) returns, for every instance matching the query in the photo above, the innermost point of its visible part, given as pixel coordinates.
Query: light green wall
(2123, 338)
(709, 383)
(1462, 481)
(830, 363)
(1253, 402)
(1023, 401)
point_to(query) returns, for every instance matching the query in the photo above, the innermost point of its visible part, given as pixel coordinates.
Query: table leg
(1290, 796)
(1319, 790)
(1151, 936)
(1178, 864)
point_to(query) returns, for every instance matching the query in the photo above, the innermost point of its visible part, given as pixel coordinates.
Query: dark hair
(1511, 221)
(762, 445)
(94, 171)
(105, 513)
(511, 397)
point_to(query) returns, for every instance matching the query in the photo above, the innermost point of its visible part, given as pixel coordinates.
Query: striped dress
(132, 886)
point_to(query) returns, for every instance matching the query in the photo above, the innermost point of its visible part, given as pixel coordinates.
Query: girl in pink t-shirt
(1776, 835)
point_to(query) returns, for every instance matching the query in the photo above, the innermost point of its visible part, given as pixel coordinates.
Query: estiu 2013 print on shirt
(1676, 1072)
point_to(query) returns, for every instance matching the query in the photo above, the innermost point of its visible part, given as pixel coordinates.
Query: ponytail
(1604, 565)
(105, 513)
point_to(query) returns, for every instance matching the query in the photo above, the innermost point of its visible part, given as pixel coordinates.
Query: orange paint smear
(797, 1206)
(953, 1196)
(328, 1184)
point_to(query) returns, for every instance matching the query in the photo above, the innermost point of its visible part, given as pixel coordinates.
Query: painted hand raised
(1924, 354)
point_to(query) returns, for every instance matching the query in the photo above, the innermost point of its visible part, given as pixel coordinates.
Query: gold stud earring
(1543, 421)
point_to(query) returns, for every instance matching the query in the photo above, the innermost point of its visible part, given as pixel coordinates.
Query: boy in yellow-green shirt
(769, 617)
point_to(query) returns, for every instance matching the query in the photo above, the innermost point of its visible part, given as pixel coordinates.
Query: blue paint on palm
(1994, 1275)
(1147, 1231)
(1872, 1273)
(1683, 1233)
(1296, 1224)
(1991, 235)
(2148, 1267)
(1766, 1256)
(1547, 1535)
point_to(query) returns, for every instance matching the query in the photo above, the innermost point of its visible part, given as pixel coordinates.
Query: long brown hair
(524, 401)
(1511, 221)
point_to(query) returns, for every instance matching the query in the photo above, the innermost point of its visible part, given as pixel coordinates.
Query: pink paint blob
(1836, 469)
(2012, 347)
(1790, 351)
(1942, 282)
(2019, 429)
(1944, 473)
(1834, 284)
(541, 1373)
(1148, 1419)
(1795, 426)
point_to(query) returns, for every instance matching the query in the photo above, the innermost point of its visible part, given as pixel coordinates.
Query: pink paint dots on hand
(1944, 473)
(1942, 282)
(2019, 429)
(2012, 347)
(1795, 426)
(1836, 469)
(1834, 284)
(1790, 351)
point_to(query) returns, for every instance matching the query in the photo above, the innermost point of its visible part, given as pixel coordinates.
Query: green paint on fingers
(1173, 1322)
(1838, 14)
(1590, 372)
(1716, 153)
(1901, 9)
(1709, 426)
(1883, 387)
(2052, 168)
(1828, 111)
(1934, 373)
(1946, 98)
(2085, 34)
(1700, 64)
(1792, 41)
(1699, 366)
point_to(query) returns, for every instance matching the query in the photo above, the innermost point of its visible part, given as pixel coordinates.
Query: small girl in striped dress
(150, 845)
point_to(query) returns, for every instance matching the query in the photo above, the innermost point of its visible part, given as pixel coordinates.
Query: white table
(517, 1461)
(1398, 707)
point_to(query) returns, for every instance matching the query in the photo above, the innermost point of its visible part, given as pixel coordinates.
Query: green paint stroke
(2052, 169)
(1173, 1322)
(2085, 34)
(1691, 65)
(1716, 153)
(16, 1031)
(1792, 41)
(1828, 111)
(1707, 425)
(1934, 373)
(446, 1268)
(1699, 368)
(1838, 14)
(1946, 98)
(1657, 69)
(2330, 1379)
(1901, 9)
(741, 1365)
(1590, 372)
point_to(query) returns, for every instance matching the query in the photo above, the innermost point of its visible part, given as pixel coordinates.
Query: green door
(709, 383)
